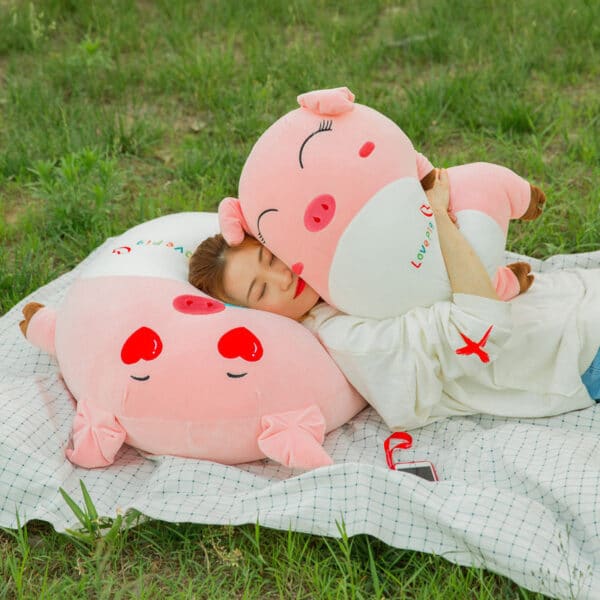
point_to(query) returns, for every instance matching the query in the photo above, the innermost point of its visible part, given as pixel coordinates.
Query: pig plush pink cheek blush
(366, 149)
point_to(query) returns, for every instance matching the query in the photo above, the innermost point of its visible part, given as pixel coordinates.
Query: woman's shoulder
(319, 314)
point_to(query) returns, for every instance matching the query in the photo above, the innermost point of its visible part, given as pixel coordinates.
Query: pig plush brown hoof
(536, 204)
(428, 181)
(28, 311)
(522, 270)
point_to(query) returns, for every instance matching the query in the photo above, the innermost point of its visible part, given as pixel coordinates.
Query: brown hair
(207, 264)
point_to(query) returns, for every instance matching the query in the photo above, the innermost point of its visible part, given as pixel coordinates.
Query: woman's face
(255, 278)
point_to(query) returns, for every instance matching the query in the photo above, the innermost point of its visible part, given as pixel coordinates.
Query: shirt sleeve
(400, 364)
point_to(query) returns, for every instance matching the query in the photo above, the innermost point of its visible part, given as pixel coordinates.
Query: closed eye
(140, 378)
(259, 235)
(262, 293)
(323, 126)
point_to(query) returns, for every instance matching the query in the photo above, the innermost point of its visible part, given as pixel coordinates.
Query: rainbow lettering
(424, 245)
(180, 249)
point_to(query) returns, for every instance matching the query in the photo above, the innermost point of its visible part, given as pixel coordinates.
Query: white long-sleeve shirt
(521, 358)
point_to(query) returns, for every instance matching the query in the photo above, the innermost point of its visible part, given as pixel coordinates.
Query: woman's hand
(465, 270)
(439, 195)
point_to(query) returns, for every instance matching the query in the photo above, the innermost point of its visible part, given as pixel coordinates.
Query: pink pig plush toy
(335, 190)
(156, 364)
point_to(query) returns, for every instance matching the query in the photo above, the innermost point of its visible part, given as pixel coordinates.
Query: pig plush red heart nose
(142, 344)
(240, 342)
(197, 305)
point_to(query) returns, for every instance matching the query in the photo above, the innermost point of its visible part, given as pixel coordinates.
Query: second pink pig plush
(336, 190)
(154, 363)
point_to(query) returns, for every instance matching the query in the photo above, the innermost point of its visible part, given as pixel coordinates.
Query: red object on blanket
(389, 448)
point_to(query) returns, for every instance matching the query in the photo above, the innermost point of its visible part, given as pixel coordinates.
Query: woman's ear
(328, 102)
(232, 222)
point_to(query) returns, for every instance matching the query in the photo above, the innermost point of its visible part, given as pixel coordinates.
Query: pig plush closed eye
(156, 364)
(335, 190)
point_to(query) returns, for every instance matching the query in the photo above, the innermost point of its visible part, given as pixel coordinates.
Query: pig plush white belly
(154, 363)
(388, 259)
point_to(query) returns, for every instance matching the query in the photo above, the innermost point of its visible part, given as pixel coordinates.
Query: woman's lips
(297, 269)
(300, 285)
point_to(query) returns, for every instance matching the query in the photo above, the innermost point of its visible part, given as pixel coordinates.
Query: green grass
(155, 559)
(115, 112)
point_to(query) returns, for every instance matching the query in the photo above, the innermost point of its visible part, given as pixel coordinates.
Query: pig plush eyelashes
(334, 188)
(169, 370)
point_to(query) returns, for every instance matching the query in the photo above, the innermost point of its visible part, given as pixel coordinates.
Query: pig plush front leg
(295, 438)
(537, 199)
(428, 181)
(97, 437)
(39, 326)
(503, 195)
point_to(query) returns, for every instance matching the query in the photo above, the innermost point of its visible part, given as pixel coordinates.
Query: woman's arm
(466, 272)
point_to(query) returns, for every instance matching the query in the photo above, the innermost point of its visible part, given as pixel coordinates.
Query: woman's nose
(281, 276)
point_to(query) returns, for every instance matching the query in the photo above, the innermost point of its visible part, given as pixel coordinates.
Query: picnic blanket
(518, 497)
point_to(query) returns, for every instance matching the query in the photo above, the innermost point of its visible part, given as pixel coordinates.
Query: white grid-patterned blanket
(520, 497)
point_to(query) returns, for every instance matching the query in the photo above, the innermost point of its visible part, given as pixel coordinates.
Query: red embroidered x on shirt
(475, 347)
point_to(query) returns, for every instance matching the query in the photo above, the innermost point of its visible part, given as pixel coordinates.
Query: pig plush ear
(232, 222)
(328, 102)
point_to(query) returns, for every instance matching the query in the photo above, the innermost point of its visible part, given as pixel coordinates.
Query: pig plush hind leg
(97, 435)
(516, 278)
(536, 204)
(512, 280)
(494, 190)
(39, 326)
(522, 272)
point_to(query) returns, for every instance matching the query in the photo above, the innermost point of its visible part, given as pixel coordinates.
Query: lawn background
(115, 112)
